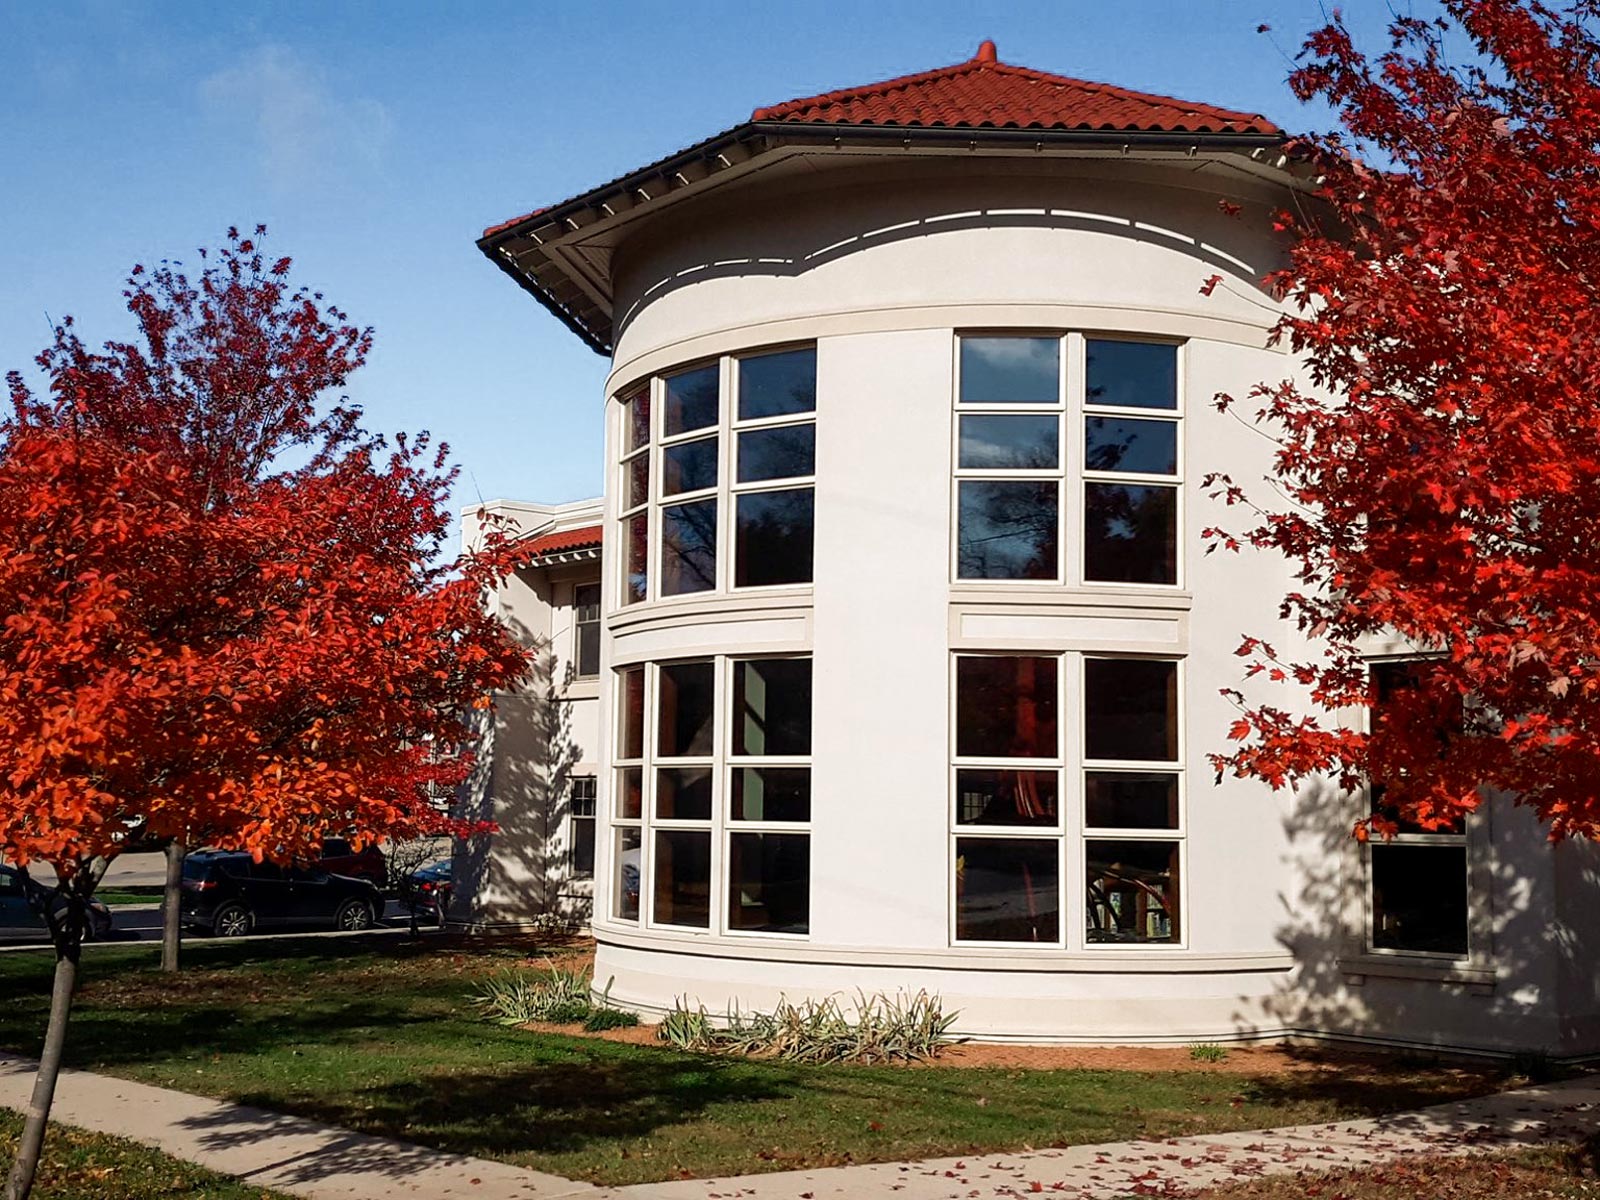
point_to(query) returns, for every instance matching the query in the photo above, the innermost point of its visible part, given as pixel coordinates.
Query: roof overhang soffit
(562, 255)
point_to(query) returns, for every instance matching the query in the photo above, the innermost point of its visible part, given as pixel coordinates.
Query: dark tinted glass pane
(774, 538)
(769, 882)
(689, 547)
(691, 401)
(689, 466)
(1007, 530)
(1024, 443)
(688, 692)
(771, 385)
(1007, 890)
(638, 469)
(1130, 533)
(631, 743)
(1006, 798)
(630, 793)
(782, 453)
(1133, 891)
(586, 599)
(772, 706)
(771, 794)
(638, 420)
(628, 868)
(636, 536)
(683, 878)
(683, 793)
(1130, 709)
(1132, 374)
(588, 648)
(1010, 370)
(1130, 800)
(1129, 444)
(581, 858)
(1006, 707)
(1419, 898)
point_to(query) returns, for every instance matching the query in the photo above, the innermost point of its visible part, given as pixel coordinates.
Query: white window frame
(721, 762)
(573, 817)
(725, 492)
(1071, 474)
(1072, 833)
(578, 624)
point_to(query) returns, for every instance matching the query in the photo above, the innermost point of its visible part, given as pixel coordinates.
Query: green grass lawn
(378, 1035)
(137, 893)
(88, 1166)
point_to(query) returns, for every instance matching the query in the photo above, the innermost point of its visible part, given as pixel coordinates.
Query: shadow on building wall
(520, 780)
(1530, 984)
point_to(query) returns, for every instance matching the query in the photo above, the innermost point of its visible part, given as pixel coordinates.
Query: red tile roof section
(494, 229)
(984, 93)
(566, 539)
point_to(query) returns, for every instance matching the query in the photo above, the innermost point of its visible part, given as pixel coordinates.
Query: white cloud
(307, 134)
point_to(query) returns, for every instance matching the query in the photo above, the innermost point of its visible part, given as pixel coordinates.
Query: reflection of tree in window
(1130, 533)
(774, 538)
(1007, 529)
(688, 547)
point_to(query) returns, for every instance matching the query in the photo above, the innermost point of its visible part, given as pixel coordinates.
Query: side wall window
(1418, 879)
(580, 826)
(586, 614)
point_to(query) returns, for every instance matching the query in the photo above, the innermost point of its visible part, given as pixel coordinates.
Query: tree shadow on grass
(544, 1109)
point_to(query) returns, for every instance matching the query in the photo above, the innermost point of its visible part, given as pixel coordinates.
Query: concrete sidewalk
(304, 1158)
(271, 1150)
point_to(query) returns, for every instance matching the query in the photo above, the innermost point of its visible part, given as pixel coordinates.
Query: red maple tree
(1444, 461)
(221, 602)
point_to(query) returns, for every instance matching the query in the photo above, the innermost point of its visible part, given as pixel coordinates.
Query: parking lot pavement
(142, 923)
(147, 868)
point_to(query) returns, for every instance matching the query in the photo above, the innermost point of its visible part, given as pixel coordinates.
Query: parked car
(339, 859)
(228, 894)
(426, 891)
(23, 904)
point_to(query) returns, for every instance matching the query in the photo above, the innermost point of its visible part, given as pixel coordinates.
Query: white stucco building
(909, 649)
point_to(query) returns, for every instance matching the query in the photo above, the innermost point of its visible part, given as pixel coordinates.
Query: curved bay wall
(882, 268)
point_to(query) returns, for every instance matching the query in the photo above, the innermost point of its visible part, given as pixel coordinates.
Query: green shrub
(518, 997)
(1208, 1052)
(609, 1018)
(876, 1029)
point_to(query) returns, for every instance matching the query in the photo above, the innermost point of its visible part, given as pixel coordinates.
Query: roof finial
(986, 53)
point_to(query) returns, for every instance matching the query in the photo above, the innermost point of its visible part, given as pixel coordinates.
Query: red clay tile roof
(494, 229)
(984, 93)
(566, 539)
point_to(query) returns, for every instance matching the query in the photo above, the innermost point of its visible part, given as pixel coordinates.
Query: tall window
(1042, 784)
(586, 636)
(1027, 509)
(733, 444)
(714, 795)
(580, 826)
(1418, 879)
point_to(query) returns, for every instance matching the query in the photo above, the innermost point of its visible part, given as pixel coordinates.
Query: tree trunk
(171, 905)
(66, 930)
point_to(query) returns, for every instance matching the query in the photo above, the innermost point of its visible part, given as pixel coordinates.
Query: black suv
(228, 894)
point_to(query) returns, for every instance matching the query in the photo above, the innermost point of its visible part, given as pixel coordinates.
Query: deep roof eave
(778, 133)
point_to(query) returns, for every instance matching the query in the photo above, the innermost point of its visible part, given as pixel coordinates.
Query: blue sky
(375, 140)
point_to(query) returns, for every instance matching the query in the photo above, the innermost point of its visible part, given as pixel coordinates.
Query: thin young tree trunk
(171, 905)
(66, 931)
